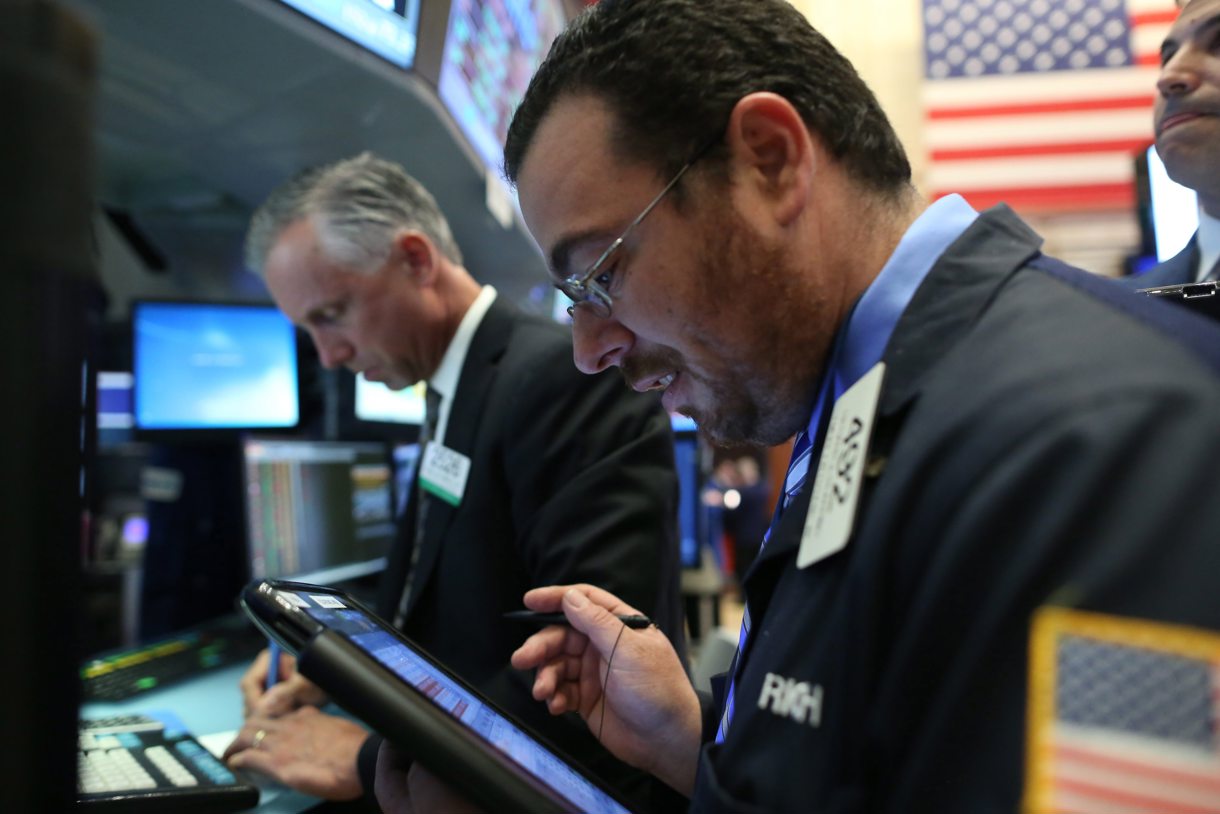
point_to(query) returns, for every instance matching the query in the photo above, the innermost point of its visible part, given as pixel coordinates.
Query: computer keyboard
(122, 674)
(141, 763)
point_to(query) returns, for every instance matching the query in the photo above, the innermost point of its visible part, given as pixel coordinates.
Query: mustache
(634, 367)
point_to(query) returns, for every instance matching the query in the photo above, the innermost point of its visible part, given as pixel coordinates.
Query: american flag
(1125, 717)
(1040, 103)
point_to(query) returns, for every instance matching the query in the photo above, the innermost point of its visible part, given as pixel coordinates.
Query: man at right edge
(1012, 466)
(1187, 125)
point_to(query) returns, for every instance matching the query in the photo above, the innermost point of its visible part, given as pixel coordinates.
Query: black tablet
(1203, 298)
(382, 678)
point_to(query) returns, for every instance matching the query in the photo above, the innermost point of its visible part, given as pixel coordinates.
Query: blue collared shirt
(860, 344)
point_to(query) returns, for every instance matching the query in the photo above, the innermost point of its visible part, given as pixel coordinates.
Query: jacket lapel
(1177, 270)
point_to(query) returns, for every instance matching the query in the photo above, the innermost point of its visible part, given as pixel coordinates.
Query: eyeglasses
(584, 289)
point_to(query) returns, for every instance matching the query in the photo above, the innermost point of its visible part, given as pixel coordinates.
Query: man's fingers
(548, 679)
(547, 599)
(277, 701)
(253, 760)
(589, 673)
(559, 704)
(543, 646)
(594, 620)
(550, 598)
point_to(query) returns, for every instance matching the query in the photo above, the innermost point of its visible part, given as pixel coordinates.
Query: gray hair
(357, 205)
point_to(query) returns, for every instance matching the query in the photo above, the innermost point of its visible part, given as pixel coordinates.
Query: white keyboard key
(164, 760)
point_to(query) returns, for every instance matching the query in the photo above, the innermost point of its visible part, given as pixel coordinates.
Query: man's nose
(1180, 74)
(333, 351)
(598, 343)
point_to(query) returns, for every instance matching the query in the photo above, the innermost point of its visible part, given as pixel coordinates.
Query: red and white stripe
(1063, 140)
(1107, 772)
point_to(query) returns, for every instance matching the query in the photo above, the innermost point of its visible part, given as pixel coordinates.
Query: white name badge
(836, 487)
(443, 473)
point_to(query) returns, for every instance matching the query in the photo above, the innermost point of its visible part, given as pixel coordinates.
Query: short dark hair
(672, 70)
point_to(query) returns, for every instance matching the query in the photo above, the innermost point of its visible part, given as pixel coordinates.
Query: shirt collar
(1209, 243)
(877, 311)
(445, 379)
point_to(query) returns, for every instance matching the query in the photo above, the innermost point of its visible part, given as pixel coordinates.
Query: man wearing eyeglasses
(996, 455)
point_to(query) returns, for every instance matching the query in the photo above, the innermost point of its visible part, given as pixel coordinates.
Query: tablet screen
(451, 696)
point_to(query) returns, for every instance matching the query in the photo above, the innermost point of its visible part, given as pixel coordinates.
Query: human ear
(417, 255)
(772, 152)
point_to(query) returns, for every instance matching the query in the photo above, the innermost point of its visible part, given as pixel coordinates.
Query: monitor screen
(206, 366)
(376, 402)
(115, 407)
(686, 461)
(492, 48)
(1175, 209)
(406, 458)
(388, 28)
(559, 308)
(317, 511)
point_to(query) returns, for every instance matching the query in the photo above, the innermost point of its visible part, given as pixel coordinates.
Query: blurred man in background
(1187, 125)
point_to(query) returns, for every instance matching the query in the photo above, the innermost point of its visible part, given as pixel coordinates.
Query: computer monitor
(211, 366)
(387, 28)
(374, 402)
(317, 511)
(559, 308)
(1174, 209)
(370, 411)
(406, 459)
(114, 400)
(492, 48)
(690, 483)
(115, 407)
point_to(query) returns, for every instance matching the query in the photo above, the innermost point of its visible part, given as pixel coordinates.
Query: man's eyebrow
(315, 314)
(1201, 29)
(561, 254)
(1209, 23)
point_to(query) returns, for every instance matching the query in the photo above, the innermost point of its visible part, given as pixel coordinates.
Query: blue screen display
(686, 461)
(385, 27)
(209, 366)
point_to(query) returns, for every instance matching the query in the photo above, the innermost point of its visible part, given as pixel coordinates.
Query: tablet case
(396, 709)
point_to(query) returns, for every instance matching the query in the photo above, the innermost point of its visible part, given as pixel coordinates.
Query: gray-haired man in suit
(569, 478)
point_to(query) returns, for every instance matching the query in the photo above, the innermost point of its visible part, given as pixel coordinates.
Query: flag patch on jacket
(1124, 716)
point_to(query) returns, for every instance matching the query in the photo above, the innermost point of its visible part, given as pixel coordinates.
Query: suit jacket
(1177, 270)
(1043, 437)
(571, 480)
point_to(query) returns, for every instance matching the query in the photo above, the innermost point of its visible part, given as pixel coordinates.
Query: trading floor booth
(203, 445)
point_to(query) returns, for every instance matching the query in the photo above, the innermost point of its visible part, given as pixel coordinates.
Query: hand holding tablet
(387, 681)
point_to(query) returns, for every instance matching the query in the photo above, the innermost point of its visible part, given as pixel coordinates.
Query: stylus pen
(273, 666)
(633, 621)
